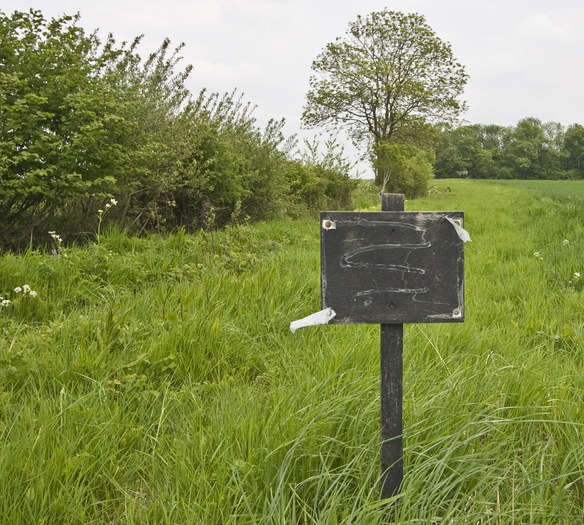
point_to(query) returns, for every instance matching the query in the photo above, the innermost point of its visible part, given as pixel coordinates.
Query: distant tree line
(530, 150)
(84, 121)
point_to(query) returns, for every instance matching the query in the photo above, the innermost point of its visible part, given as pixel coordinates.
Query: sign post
(389, 268)
(391, 366)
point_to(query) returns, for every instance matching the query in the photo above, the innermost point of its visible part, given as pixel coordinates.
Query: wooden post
(392, 470)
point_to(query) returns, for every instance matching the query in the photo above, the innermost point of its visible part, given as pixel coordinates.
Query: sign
(389, 268)
(392, 267)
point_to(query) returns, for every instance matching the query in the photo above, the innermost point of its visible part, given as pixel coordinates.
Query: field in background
(156, 380)
(571, 189)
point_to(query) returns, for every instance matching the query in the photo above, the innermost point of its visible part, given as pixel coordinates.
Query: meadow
(155, 380)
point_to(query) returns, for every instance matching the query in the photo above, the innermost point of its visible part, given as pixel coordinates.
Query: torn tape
(461, 232)
(322, 317)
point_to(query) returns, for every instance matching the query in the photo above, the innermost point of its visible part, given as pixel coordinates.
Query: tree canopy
(62, 129)
(390, 71)
(385, 80)
(531, 149)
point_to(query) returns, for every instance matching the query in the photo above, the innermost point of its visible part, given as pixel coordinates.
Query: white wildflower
(5, 302)
(33, 293)
(18, 289)
(536, 254)
(566, 241)
(26, 288)
(100, 211)
(577, 275)
(56, 237)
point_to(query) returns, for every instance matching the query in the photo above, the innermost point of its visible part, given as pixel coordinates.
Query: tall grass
(156, 380)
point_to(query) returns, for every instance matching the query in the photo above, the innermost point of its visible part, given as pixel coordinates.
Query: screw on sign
(389, 268)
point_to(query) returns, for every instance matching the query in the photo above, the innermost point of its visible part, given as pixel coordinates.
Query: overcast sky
(524, 57)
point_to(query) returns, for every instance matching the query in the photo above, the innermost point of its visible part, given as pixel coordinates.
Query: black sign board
(392, 267)
(389, 268)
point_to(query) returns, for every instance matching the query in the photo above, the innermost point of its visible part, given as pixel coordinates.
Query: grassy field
(573, 189)
(156, 380)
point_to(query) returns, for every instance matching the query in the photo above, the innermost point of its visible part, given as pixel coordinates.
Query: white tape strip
(322, 317)
(462, 233)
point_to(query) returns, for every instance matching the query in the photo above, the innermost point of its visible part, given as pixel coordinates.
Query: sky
(524, 57)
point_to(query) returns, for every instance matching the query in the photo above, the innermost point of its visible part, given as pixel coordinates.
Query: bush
(84, 122)
(405, 168)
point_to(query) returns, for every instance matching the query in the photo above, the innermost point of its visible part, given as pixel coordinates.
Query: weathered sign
(392, 267)
(389, 268)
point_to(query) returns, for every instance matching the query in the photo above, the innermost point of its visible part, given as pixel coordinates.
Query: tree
(530, 151)
(449, 161)
(574, 151)
(462, 152)
(81, 120)
(384, 81)
(65, 134)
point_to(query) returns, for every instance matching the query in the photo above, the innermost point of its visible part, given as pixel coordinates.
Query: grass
(545, 188)
(156, 380)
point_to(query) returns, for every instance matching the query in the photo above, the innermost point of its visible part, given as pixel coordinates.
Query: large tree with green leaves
(384, 81)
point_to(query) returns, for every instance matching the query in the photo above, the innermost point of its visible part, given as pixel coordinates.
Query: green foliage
(530, 150)
(574, 149)
(82, 122)
(243, 165)
(390, 70)
(165, 116)
(405, 168)
(467, 151)
(529, 154)
(65, 135)
(383, 82)
(321, 178)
